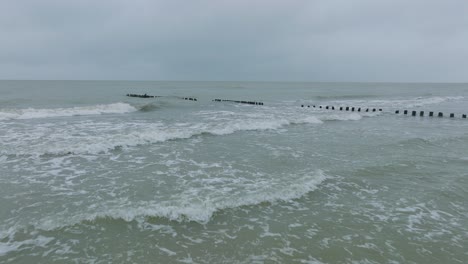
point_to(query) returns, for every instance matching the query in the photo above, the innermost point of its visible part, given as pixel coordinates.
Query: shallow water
(88, 175)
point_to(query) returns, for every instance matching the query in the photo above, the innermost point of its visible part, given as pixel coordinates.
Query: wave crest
(64, 142)
(397, 103)
(196, 209)
(32, 113)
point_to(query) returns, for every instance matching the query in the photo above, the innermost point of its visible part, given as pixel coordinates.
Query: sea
(90, 175)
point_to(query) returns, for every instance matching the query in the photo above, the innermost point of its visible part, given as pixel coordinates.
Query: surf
(33, 113)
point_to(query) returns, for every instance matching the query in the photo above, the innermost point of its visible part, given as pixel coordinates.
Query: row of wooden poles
(158, 96)
(240, 102)
(346, 108)
(359, 109)
(142, 95)
(341, 108)
(431, 114)
(195, 99)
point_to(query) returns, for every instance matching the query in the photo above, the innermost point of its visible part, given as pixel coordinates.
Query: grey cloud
(297, 40)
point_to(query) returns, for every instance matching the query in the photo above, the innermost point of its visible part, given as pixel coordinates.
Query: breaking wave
(149, 107)
(32, 113)
(101, 137)
(104, 137)
(339, 117)
(409, 103)
(185, 209)
(195, 209)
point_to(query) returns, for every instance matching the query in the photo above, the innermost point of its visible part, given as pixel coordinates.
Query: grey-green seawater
(88, 175)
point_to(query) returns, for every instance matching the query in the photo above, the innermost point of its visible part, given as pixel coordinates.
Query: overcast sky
(288, 40)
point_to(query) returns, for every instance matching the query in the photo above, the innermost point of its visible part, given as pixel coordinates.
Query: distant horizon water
(243, 81)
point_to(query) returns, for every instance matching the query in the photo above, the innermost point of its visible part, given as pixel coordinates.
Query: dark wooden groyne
(188, 98)
(405, 112)
(345, 108)
(430, 114)
(240, 102)
(158, 96)
(143, 96)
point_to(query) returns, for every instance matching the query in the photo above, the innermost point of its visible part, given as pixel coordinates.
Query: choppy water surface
(88, 175)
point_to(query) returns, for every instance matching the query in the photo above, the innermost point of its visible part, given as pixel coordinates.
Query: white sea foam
(103, 137)
(89, 137)
(342, 117)
(409, 103)
(7, 247)
(421, 101)
(32, 113)
(189, 210)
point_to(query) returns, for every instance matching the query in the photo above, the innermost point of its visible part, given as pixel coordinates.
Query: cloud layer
(298, 40)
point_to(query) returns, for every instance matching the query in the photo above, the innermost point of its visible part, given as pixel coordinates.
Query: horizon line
(245, 81)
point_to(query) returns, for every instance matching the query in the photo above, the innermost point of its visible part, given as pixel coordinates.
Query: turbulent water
(88, 175)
